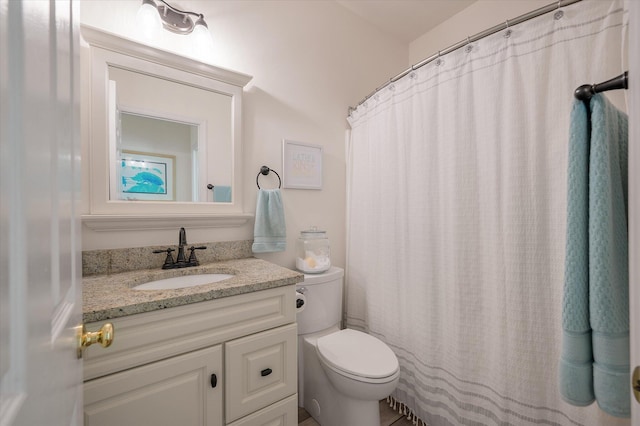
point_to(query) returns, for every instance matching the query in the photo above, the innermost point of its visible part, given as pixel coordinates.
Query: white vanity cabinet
(228, 361)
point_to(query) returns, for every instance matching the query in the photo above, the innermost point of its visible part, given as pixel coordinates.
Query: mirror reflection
(153, 156)
(169, 141)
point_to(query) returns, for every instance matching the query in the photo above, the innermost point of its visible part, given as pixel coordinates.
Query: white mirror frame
(106, 50)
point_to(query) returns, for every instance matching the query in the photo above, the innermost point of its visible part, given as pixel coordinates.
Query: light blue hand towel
(594, 364)
(221, 194)
(269, 233)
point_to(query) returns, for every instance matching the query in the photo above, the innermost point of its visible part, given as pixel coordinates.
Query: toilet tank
(323, 306)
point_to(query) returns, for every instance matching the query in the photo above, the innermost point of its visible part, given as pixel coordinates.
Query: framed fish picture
(146, 176)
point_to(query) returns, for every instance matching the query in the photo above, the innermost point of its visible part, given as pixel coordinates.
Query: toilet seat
(358, 355)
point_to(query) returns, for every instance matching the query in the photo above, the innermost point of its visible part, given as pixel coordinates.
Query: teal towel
(594, 364)
(221, 194)
(269, 233)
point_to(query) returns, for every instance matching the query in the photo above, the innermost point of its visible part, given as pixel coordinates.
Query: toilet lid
(357, 353)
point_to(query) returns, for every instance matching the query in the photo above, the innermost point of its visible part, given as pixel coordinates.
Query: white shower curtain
(456, 219)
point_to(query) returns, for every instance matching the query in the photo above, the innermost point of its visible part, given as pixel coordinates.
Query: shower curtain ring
(559, 14)
(412, 72)
(439, 61)
(507, 33)
(469, 47)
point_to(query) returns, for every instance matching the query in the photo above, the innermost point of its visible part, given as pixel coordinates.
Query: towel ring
(264, 170)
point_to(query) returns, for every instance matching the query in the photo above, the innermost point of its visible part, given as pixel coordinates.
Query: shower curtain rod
(507, 24)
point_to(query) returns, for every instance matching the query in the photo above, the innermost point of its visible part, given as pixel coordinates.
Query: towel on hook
(221, 194)
(269, 232)
(594, 364)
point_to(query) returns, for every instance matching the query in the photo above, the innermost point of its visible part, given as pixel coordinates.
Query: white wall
(310, 60)
(481, 15)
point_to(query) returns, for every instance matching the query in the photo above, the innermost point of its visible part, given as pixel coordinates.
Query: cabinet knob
(266, 372)
(85, 338)
(214, 380)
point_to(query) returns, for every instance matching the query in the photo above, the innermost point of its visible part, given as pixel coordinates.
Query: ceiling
(406, 20)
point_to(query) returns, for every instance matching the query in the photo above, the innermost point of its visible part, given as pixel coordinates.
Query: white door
(40, 253)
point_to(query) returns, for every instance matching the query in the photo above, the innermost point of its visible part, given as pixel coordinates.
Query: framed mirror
(164, 138)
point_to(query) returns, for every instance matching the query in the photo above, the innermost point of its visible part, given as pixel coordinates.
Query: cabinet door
(175, 391)
(282, 413)
(261, 369)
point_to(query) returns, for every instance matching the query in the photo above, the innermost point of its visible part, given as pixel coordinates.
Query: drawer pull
(214, 380)
(266, 372)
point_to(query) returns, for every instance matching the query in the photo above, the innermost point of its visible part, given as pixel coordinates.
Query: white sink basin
(183, 282)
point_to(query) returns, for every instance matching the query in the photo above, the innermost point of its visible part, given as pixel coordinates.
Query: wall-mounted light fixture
(172, 19)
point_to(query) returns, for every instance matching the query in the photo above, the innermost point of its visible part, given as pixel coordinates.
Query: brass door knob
(85, 338)
(635, 383)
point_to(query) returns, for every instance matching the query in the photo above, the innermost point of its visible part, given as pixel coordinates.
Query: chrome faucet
(181, 261)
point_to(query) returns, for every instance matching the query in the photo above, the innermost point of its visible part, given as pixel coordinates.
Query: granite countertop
(111, 296)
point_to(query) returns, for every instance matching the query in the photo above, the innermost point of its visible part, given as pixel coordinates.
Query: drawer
(261, 369)
(282, 413)
(152, 336)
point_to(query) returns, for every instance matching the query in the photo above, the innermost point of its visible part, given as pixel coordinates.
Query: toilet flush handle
(300, 300)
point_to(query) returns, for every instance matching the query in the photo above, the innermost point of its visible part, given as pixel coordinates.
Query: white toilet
(342, 374)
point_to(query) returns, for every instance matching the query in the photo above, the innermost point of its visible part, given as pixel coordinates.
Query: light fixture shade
(201, 21)
(201, 31)
(202, 39)
(148, 19)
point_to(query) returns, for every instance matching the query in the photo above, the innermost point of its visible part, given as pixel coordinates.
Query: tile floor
(388, 417)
